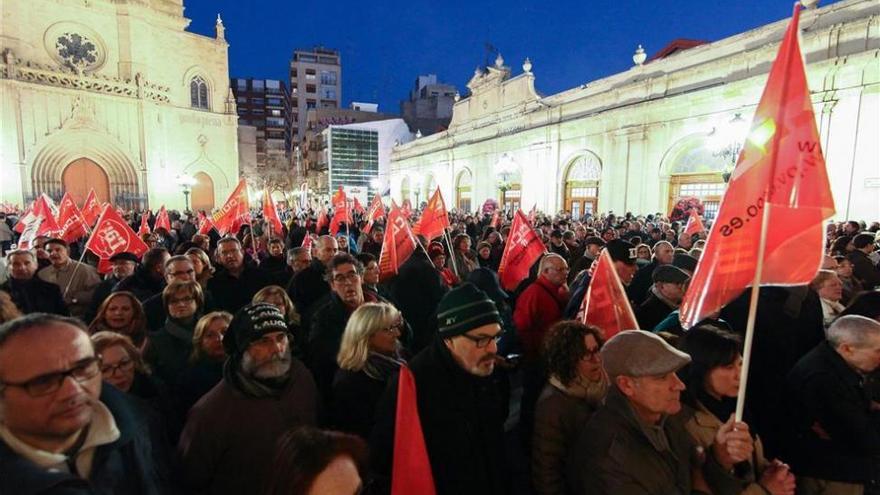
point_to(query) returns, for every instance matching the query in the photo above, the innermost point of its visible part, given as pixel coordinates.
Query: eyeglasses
(49, 383)
(213, 336)
(397, 327)
(124, 366)
(590, 355)
(182, 300)
(482, 341)
(341, 278)
(183, 272)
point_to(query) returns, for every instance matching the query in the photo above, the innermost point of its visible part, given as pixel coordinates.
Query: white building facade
(638, 140)
(117, 96)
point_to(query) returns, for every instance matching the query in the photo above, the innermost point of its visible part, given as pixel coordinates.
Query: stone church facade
(666, 128)
(117, 96)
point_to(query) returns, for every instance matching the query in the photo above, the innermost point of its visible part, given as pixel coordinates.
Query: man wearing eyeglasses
(178, 268)
(236, 283)
(59, 429)
(345, 276)
(461, 410)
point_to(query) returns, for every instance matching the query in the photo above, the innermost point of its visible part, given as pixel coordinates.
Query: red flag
(145, 226)
(781, 165)
(70, 220)
(112, 235)
(377, 211)
(162, 220)
(341, 212)
(322, 222)
(397, 246)
(24, 219)
(358, 207)
(91, 210)
(270, 214)
(307, 241)
(235, 212)
(522, 249)
(29, 230)
(42, 208)
(695, 224)
(606, 305)
(411, 468)
(205, 224)
(434, 219)
(406, 209)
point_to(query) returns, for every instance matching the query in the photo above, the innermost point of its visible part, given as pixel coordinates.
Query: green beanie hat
(464, 308)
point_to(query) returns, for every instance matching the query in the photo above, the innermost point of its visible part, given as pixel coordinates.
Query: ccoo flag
(780, 179)
(235, 211)
(411, 468)
(434, 219)
(522, 249)
(70, 220)
(606, 305)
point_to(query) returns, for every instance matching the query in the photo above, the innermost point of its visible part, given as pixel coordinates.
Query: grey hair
(854, 330)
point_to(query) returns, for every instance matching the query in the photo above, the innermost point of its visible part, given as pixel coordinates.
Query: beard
(277, 366)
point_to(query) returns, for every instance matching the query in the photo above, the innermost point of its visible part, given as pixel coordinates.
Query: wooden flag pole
(75, 268)
(753, 310)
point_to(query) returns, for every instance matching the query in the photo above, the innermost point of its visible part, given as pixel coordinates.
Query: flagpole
(75, 268)
(451, 252)
(347, 239)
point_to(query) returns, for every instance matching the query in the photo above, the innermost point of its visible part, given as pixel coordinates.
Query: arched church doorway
(202, 193)
(82, 175)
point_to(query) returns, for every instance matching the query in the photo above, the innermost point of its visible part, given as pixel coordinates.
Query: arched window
(582, 185)
(697, 170)
(463, 191)
(198, 93)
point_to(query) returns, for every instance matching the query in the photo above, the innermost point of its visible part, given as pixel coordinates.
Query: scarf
(592, 392)
(381, 367)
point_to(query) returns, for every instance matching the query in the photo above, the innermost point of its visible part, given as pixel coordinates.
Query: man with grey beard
(228, 443)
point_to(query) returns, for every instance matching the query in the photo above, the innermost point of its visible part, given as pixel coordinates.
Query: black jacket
(142, 284)
(652, 312)
(101, 292)
(231, 293)
(35, 296)
(834, 434)
(462, 418)
(864, 269)
(639, 288)
(308, 286)
(416, 291)
(129, 466)
(157, 313)
(354, 399)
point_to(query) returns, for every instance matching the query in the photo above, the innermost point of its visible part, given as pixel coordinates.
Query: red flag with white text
(406, 209)
(70, 221)
(398, 244)
(695, 224)
(91, 209)
(235, 211)
(522, 249)
(145, 225)
(411, 467)
(434, 219)
(606, 304)
(341, 211)
(780, 165)
(162, 220)
(377, 211)
(112, 235)
(205, 224)
(270, 214)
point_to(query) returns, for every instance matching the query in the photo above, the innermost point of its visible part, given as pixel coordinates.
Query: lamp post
(727, 143)
(185, 182)
(417, 183)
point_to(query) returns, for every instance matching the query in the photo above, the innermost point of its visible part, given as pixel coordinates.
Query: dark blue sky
(385, 44)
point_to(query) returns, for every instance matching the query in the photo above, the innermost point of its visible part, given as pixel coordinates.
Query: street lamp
(185, 182)
(417, 183)
(727, 143)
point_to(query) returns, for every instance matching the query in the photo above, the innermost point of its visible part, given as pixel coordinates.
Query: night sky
(387, 43)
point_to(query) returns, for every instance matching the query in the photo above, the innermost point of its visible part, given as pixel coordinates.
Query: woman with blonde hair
(368, 356)
(121, 312)
(205, 368)
(201, 264)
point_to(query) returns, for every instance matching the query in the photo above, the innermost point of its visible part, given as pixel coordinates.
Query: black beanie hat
(249, 324)
(464, 308)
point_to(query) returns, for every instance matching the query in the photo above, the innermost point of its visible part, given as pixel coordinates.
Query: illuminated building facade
(668, 127)
(117, 96)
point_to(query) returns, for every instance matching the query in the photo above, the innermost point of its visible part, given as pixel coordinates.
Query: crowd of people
(269, 362)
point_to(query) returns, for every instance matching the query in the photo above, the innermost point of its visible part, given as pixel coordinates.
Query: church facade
(115, 96)
(669, 127)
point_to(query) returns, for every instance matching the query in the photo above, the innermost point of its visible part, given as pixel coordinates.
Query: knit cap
(250, 323)
(463, 309)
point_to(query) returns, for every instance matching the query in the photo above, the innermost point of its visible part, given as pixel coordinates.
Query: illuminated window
(198, 93)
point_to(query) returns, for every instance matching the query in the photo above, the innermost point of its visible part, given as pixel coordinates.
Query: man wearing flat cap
(462, 413)
(664, 297)
(228, 443)
(636, 442)
(123, 265)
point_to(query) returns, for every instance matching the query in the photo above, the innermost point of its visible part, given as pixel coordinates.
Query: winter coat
(79, 280)
(168, 351)
(231, 293)
(537, 308)
(640, 286)
(228, 443)
(307, 287)
(141, 283)
(131, 465)
(559, 417)
(703, 426)
(462, 418)
(864, 270)
(653, 311)
(416, 291)
(613, 456)
(35, 296)
(834, 434)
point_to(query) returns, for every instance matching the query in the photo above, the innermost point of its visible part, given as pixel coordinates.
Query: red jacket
(538, 307)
